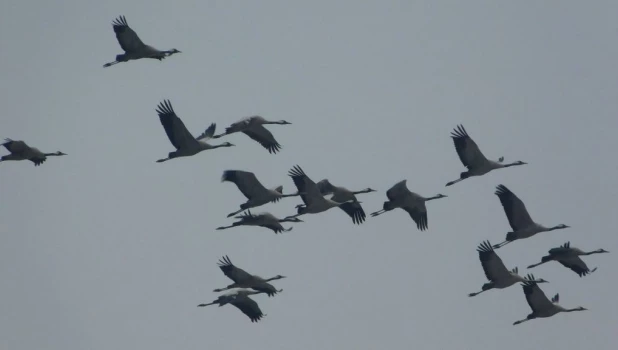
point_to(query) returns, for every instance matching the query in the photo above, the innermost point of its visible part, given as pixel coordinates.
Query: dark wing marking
(248, 307)
(232, 272)
(246, 182)
(514, 208)
(175, 129)
(264, 137)
(304, 185)
(492, 264)
(537, 300)
(127, 38)
(419, 217)
(467, 150)
(576, 264)
(355, 211)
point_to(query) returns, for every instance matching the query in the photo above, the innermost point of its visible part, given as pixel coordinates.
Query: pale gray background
(106, 249)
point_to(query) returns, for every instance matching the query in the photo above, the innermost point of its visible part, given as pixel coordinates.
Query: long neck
(271, 279)
(571, 310)
(508, 165)
(361, 191)
(50, 154)
(552, 228)
(592, 252)
(432, 198)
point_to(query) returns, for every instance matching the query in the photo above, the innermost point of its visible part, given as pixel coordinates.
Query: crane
(240, 299)
(519, 219)
(253, 190)
(540, 305)
(242, 279)
(133, 46)
(570, 257)
(311, 195)
(495, 271)
(399, 196)
(254, 128)
(472, 157)
(342, 194)
(185, 144)
(21, 151)
(267, 220)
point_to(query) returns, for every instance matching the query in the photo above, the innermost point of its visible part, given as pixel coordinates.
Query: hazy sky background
(106, 249)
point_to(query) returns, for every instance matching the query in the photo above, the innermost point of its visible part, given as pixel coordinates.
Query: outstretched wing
(208, 133)
(259, 133)
(576, 264)
(398, 191)
(248, 307)
(246, 182)
(514, 209)
(175, 129)
(469, 153)
(492, 264)
(535, 297)
(355, 211)
(16, 147)
(305, 185)
(325, 187)
(234, 273)
(127, 38)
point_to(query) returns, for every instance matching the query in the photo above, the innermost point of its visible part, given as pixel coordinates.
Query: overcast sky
(106, 249)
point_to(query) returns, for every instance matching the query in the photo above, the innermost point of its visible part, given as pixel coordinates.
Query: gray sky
(106, 249)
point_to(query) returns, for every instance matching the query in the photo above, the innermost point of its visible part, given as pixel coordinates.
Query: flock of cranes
(315, 201)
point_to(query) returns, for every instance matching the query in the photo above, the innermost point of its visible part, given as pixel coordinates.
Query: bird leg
(453, 182)
(521, 321)
(222, 289)
(378, 212)
(502, 244)
(236, 212)
(202, 305)
(477, 293)
(225, 227)
(535, 265)
(163, 160)
(110, 64)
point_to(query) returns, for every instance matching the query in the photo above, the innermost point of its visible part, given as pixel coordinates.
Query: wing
(208, 133)
(248, 307)
(576, 264)
(355, 211)
(16, 147)
(38, 160)
(175, 129)
(492, 264)
(418, 213)
(325, 187)
(514, 209)
(239, 125)
(232, 272)
(246, 182)
(397, 191)
(556, 298)
(127, 38)
(536, 298)
(264, 137)
(469, 153)
(305, 185)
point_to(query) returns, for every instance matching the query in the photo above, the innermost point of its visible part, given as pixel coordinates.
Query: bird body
(570, 257)
(254, 128)
(311, 195)
(242, 279)
(263, 219)
(253, 189)
(240, 299)
(133, 46)
(472, 157)
(399, 196)
(186, 145)
(341, 194)
(519, 219)
(21, 151)
(541, 306)
(498, 275)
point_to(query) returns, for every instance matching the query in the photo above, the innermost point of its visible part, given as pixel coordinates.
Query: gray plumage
(254, 128)
(570, 257)
(133, 46)
(242, 279)
(240, 299)
(21, 151)
(541, 306)
(266, 220)
(342, 194)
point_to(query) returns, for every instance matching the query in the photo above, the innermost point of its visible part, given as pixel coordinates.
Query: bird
(133, 46)
(311, 195)
(240, 299)
(267, 220)
(253, 190)
(186, 145)
(540, 305)
(570, 257)
(519, 219)
(242, 279)
(254, 128)
(495, 271)
(472, 157)
(21, 151)
(342, 194)
(399, 196)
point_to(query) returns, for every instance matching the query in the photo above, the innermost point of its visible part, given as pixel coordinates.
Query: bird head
(601, 251)
(284, 122)
(540, 280)
(580, 308)
(227, 144)
(294, 220)
(173, 51)
(440, 195)
(519, 162)
(368, 190)
(278, 277)
(60, 153)
(562, 226)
